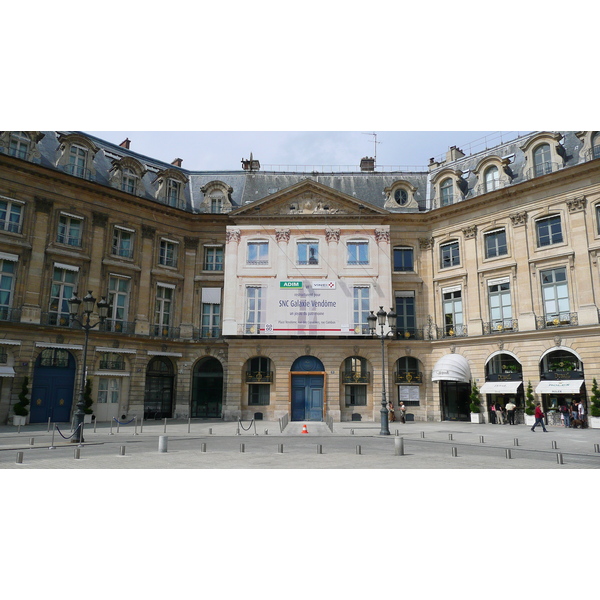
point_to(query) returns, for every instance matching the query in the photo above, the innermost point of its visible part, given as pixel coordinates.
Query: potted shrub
(595, 408)
(20, 408)
(529, 406)
(475, 405)
(88, 401)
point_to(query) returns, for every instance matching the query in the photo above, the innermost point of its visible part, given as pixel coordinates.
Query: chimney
(125, 143)
(454, 154)
(367, 164)
(250, 165)
(177, 162)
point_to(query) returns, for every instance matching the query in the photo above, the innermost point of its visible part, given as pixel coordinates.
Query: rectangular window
(7, 282)
(403, 259)
(211, 320)
(549, 231)
(356, 395)
(122, 244)
(216, 205)
(254, 309)
(10, 216)
(118, 298)
(449, 255)
(19, 144)
(128, 183)
(453, 312)
(77, 161)
(213, 258)
(555, 294)
(64, 282)
(258, 253)
(500, 306)
(361, 309)
(259, 394)
(108, 390)
(70, 230)
(597, 214)
(495, 243)
(168, 253)
(406, 326)
(173, 192)
(162, 309)
(358, 253)
(308, 253)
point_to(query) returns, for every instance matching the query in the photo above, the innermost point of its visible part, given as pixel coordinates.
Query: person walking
(581, 411)
(564, 411)
(391, 412)
(402, 412)
(493, 413)
(511, 407)
(499, 414)
(539, 418)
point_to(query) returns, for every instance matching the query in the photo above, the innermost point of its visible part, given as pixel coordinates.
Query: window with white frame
(542, 160)
(122, 244)
(77, 160)
(491, 178)
(167, 253)
(404, 260)
(555, 295)
(549, 231)
(70, 230)
(308, 252)
(495, 243)
(358, 252)
(112, 361)
(258, 253)
(173, 190)
(254, 309)
(163, 307)
(446, 191)
(118, 298)
(19, 144)
(213, 258)
(360, 308)
(449, 255)
(129, 181)
(11, 213)
(500, 304)
(7, 285)
(211, 313)
(216, 205)
(406, 325)
(109, 390)
(596, 145)
(64, 283)
(453, 311)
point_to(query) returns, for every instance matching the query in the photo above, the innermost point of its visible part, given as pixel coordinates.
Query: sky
(224, 150)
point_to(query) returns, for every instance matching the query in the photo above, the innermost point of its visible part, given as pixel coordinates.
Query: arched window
(541, 160)
(446, 191)
(356, 377)
(259, 376)
(596, 145)
(19, 144)
(491, 179)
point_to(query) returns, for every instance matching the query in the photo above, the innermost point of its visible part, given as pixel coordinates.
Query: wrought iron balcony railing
(410, 333)
(542, 169)
(563, 319)
(259, 376)
(356, 377)
(501, 326)
(408, 377)
(114, 326)
(452, 331)
(112, 365)
(56, 319)
(78, 171)
(203, 333)
(12, 226)
(13, 315)
(165, 331)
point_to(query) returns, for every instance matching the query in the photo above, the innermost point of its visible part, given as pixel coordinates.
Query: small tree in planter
(529, 405)
(20, 408)
(88, 400)
(595, 409)
(475, 405)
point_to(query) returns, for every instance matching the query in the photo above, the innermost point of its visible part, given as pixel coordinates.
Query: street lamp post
(375, 320)
(88, 306)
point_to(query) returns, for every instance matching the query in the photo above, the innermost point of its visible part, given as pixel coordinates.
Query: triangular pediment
(305, 199)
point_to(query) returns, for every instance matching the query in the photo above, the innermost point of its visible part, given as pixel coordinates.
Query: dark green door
(455, 400)
(207, 393)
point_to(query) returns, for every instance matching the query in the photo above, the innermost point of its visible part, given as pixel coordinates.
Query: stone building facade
(246, 294)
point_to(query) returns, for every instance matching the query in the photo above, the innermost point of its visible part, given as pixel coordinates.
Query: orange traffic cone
(304, 430)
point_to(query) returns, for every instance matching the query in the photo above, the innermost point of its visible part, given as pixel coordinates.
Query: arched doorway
(454, 375)
(503, 383)
(207, 389)
(308, 383)
(53, 386)
(158, 397)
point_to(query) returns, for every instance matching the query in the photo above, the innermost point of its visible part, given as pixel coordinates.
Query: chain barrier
(121, 423)
(67, 438)
(240, 423)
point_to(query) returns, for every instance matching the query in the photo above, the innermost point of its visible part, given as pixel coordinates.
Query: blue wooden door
(52, 392)
(307, 397)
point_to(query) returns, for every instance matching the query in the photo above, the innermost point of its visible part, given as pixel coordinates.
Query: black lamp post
(88, 307)
(375, 320)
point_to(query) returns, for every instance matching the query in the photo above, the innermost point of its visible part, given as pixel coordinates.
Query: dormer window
(129, 182)
(19, 144)
(173, 188)
(446, 192)
(542, 160)
(544, 154)
(77, 161)
(491, 178)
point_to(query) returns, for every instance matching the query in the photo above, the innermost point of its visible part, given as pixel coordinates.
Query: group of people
(392, 412)
(571, 412)
(501, 415)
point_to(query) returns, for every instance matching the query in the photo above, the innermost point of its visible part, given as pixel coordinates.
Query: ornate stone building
(242, 294)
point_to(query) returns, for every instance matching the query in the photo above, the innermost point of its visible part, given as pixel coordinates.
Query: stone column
(99, 222)
(230, 285)
(189, 303)
(144, 306)
(523, 299)
(469, 259)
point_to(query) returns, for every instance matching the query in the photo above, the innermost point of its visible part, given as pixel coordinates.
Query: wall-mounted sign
(290, 285)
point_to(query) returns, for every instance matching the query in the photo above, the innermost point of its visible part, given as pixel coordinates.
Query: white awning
(7, 372)
(568, 386)
(452, 367)
(500, 387)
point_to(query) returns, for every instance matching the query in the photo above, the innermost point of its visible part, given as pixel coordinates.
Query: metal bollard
(189, 424)
(19, 428)
(481, 439)
(122, 450)
(134, 425)
(422, 434)
(397, 432)
(449, 436)
(77, 453)
(210, 431)
(242, 447)
(358, 450)
(95, 424)
(19, 458)
(111, 422)
(516, 441)
(280, 448)
(165, 429)
(31, 441)
(319, 449)
(554, 446)
(266, 432)
(454, 451)
(237, 431)
(203, 447)
(142, 424)
(352, 432)
(118, 425)
(52, 446)
(399, 446)
(508, 453)
(49, 420)
(596, 447)
(163, 441)
(559, 459)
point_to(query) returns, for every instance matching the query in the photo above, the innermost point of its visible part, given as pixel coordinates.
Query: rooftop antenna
(375, 142)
